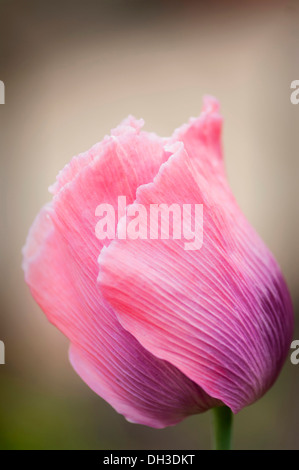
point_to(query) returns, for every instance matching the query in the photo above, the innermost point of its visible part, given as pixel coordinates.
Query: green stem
(222, 425)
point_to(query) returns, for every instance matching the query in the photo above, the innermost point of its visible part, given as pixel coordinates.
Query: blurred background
(72, 71)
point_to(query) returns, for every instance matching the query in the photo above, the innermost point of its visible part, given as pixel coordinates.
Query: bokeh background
(72, 71)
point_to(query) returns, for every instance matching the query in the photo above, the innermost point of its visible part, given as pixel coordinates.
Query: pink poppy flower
(158, 331)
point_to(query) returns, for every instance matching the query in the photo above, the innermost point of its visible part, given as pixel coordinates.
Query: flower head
(158, 331)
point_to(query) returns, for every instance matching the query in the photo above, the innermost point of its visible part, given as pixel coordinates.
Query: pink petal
(222, 314)
(60, 263)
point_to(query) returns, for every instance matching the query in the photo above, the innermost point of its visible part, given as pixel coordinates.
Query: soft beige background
(72, 71)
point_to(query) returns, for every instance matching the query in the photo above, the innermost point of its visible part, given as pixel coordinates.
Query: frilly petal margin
(222, 315)
(61, 269)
